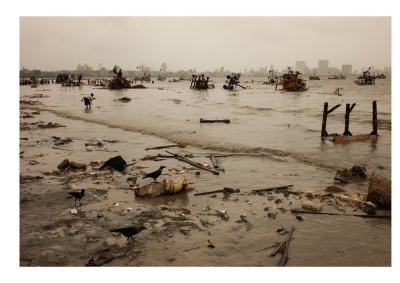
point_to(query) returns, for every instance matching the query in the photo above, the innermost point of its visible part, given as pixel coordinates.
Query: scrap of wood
(367, 137)
(226, 121)
(163, 146)
(198, 165)
(340, 214)
(217, 164)
(283, 260)
(272, 189)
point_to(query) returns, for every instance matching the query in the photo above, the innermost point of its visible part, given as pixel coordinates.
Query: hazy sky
(207, 43)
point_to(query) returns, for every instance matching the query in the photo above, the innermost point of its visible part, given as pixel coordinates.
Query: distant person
(120, 73)
(88, 101)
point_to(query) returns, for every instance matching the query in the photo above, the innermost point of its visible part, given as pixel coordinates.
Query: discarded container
(165, 187)
(380, 191)
(311, 206)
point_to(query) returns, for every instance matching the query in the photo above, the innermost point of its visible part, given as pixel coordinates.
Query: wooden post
(347, 119)
(324, 117)
(374, 118)
(324, 133)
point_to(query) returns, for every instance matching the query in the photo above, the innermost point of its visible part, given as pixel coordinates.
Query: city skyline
(233, 42)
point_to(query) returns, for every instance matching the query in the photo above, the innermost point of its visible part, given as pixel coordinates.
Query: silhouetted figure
(77, 195)
(128, 232)
(154, 174)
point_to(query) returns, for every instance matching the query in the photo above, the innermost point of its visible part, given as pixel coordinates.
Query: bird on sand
(128, 232)
(77, 195)
(154, 174)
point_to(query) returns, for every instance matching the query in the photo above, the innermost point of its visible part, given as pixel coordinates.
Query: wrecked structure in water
(291, 81)
(314, 77)
(232, 81)
(366, 78)
(118, 81)
(201, 82)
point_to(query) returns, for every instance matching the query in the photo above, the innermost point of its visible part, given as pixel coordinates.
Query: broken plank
(226, 121)
(163, 146)
(367, 137)
(283, 260)
(216, 163)
(195, 164)
(272, 189)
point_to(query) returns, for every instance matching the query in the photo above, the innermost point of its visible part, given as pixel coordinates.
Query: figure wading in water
(88, 101)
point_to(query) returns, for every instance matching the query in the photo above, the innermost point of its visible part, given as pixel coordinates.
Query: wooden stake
(324, 133)
(374, 118)
(347, 119)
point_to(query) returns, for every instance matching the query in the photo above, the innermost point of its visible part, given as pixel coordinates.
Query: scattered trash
(198, 165)
(164, 146)
(165, 187)
(224, 190)
(311, 206)
(71, 165)
(95, 142)
(217, 163)
(223, 214)
(117, 163)
(210, 245)
(124, 99)
(298, 217)
(74, 211)
(272, 189)
(116, 204)
(49, 125)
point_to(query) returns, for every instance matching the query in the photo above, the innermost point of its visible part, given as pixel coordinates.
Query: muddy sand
(238, 229)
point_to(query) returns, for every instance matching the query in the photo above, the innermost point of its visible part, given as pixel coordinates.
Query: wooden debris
(226, 121)
(224, 190)
(339, 214)
(272, 189)
(198, 165)
(216, 163)
(366, 137)
(163, 146)
(283, 260)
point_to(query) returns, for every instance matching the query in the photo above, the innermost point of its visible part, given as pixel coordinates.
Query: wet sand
(181, 226)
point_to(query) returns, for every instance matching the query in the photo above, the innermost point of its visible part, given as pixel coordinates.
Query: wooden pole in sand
(374, 119)
(324, 133)
(347, 119)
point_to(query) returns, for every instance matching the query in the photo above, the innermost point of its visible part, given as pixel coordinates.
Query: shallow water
(276, 137)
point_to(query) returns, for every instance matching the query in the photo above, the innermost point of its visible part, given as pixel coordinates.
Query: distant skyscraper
(301, 67)
(323, 67)
(347, 70)
(163, 67)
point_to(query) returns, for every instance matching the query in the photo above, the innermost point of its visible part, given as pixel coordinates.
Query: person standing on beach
(88, 101)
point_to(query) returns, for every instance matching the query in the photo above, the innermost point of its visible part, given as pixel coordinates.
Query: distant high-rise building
(301, 67)
(323, 67)
(163, 67)
(347, 70)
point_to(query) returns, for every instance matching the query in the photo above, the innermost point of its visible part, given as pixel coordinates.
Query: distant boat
(291, 82)
(381, 76)
(337, 77)
(314, 77)
(366, 78)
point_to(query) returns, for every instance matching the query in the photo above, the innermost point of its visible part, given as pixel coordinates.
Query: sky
(205, 43)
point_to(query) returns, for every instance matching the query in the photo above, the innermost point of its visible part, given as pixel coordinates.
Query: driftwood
(198, 165)
(226, 121)
(367, 137)
(283, 260)
(271, 189)
(217, 164)
(340, 214)
(341, 180)
(54, 147)
(224, 190)
(163, 146)
(279, 248)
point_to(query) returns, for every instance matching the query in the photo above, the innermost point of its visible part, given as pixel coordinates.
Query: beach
(273, 139)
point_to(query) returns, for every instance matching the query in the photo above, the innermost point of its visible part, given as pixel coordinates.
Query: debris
(210, 245)
(100, 260)
(298, 217)
(217, 163)
(117, 163)
(74, 211)
(355, 173)
(165, 187)
(198, 165)
(223, 214)
(95, 142)
(291, 81)
(271, 189)
(164, 146)
(49, 125)
(356, 201)
(124, 99)
(224, 190)
(71, 165)
(311, 206)
(283, 260)
(226, 121)
(334, 189)
(379, 191)
(339, 214)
